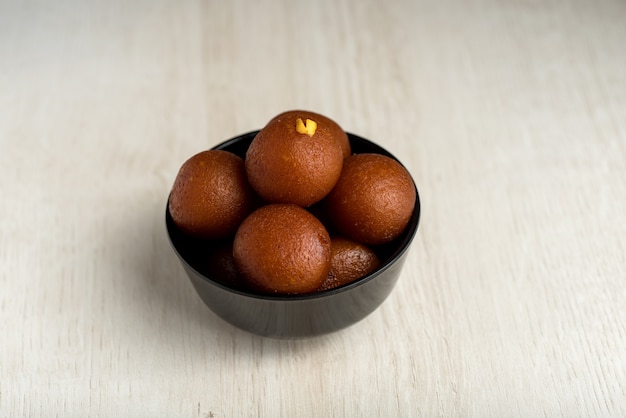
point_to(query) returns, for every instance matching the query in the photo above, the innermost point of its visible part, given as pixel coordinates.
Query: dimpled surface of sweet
(323, 122)
(294, 160)
(283, 249)
(211, 195)
(349, 261)
(373, 199)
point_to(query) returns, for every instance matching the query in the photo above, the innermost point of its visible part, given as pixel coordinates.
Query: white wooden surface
(511, 116)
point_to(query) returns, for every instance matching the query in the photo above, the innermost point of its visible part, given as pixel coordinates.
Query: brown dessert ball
(211, 195)
(349, 261)
(294, 160)
(282, 248)
(326, 123)
(373, 200)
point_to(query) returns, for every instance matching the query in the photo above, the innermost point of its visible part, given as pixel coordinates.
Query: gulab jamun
(323, 122)
(282, 248)
(373, 199)
(211, 195)
(349, 260)
(294, 159)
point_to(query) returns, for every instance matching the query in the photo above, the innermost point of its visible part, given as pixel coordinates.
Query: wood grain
(511, 116)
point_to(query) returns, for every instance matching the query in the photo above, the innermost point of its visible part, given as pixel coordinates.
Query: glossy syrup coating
(282, 248)
(373, 199)
(323, 122)
(211, 195)
(294, 159)
(349, 261)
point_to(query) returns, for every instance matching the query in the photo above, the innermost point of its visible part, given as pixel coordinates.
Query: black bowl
(296, 316)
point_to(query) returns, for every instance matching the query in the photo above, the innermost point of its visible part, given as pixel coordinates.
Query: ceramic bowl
(296, 316)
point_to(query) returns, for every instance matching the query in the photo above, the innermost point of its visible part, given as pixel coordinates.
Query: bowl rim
(403, 246)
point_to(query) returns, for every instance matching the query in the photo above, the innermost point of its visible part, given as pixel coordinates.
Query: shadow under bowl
(296, 316)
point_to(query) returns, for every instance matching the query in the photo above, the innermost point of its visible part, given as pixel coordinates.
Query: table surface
(511, 117)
